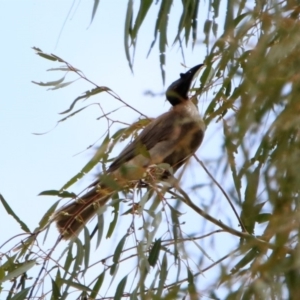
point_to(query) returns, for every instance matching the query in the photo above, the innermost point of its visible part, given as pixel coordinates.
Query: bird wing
(158, 138)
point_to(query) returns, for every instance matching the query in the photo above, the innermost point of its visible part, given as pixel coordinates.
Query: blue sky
(34, 163)
(31, 163)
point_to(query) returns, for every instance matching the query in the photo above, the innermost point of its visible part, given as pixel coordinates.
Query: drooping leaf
(50, 83)
(21, 295)
(127, 31)
(119, 249)
(78, 258)
(97, 286)
(231, 150)
(95, 7)
(87, 248)
(100, 228)
(76, 285)
(120, 289)
(248, 257)
(154, 253)
(55, 290)
(92, 163)
(113, 223)
(161, 27)
(61, 85)
(143, 10)
(45, 219)
(19, 269)
(191, 286)
(86, 95)
(249, 209)
(162, 277)
(11, 212)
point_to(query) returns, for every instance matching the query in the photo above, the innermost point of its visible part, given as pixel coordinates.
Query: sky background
(30, 164)
(33, 163)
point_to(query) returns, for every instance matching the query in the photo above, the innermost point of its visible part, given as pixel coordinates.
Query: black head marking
(178, 90)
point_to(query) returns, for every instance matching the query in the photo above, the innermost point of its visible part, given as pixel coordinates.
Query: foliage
(251, 70)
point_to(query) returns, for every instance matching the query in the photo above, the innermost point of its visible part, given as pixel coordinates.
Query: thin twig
(186, 199)
(109, 91)
(224, 193)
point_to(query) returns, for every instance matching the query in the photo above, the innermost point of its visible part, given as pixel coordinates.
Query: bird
(171, 139)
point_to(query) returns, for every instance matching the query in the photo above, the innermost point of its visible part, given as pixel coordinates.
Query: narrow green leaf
(206, 30)
(133, 295)
(21, 295)
(228, 89)
(239, 18)
(113, 269)
(154, 253)
(75, 112)
(97, 286)
(87, 248)
(20, 268)
(45, 219)
(161, 27)
(68, 260)
(11, 212)
(162, 277)
(9, 265)
(206, 75)
(120, 289)
(119, 249)
(50, 83)
(25, 245)
(249, 209)
(60, 86)
(144, 7)
(100, 226)
(47, 56)
(86, 95)
(151, 289)
(253, 253)
(127, 31)
(191, 286)
(216, 5)
(166, 6)
(2, 273)
(231, 149)
(109, 181)
(262, 218)
(76, 285)
(97, 157)
(113, 223)
(55, 290)
(228, 24)
(176, 223)
(195, 22)
(142, 149)
(95, 7)
(61, 194)
(182, 20)
(65, 69)
(215, 27)
(173, 293)
(143, 201)
(78, 257)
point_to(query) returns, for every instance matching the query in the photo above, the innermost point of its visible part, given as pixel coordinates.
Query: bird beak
(177, 92)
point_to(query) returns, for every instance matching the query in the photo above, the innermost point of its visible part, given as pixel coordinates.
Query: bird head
(177, 92)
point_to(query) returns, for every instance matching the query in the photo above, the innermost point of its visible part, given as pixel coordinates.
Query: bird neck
(177, 100)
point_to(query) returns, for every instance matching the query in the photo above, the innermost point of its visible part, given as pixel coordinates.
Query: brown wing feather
(158, 130)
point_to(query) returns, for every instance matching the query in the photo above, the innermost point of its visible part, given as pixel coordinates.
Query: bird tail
(70, 219)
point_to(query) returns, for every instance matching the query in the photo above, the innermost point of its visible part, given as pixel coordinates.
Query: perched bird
(170, 138)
